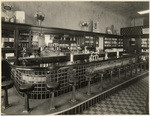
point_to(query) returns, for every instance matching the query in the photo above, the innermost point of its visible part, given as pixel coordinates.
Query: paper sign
(145, 30)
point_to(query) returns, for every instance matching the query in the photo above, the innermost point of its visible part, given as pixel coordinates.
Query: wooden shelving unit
(115, 42)
(65, 39)
(141, 44)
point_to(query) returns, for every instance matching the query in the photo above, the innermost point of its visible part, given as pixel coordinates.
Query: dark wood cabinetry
(15, 37)
(135, 39)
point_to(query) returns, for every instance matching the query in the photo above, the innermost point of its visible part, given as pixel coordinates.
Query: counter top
(66, 64)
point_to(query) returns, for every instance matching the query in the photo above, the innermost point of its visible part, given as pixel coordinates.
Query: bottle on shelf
(106, 55)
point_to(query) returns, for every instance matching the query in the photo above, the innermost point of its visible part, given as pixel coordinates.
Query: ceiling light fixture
(144, 12)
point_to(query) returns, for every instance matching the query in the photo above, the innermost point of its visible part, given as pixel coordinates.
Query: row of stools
(7, 84)
(90, 73)
(52, 86)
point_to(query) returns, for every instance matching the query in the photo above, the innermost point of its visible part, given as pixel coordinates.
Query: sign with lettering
(145, 30)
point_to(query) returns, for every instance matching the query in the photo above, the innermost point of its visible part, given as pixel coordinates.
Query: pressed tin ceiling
(128, 9)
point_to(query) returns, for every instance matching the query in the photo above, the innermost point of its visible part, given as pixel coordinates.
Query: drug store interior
(65, 57)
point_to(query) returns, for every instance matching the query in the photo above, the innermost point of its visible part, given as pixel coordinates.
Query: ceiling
(128, 9)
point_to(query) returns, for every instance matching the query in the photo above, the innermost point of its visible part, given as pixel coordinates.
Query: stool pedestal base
(25, 112)
(52, 107)
(73, 100)
(73, 93)
(89, 88)
(5, 102)
(26, 107)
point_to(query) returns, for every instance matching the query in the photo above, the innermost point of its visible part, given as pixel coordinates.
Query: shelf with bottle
(144, 42)
(144, 50)
(34, 45)
(24, 39)
(107, 42)
(113, 42)
(8, 39)
(97, 42)
(89, 41)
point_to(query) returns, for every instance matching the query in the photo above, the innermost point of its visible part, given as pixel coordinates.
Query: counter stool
(145, 63)
(4, 78)
(111, 72)
(73, 81)
(88, 76)
(131, 69)
(136, 68)
(141, 65)
(101, 84)
(52, 86)
(5, 86)
(26, 88)
(126, 68)
(119, 70)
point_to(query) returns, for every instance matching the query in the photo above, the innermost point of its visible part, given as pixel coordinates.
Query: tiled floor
(131, 100)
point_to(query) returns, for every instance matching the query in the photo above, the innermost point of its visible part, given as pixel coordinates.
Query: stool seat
(52, 85)
(102, 71)
(88, 77)
(120, 67)
(7, 84)
(26, 88)
(127, 66)
(73, 80)
(4, 78)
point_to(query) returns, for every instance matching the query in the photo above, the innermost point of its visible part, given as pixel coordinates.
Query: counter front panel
(38, 76)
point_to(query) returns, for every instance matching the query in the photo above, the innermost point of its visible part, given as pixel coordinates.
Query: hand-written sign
(145, 30)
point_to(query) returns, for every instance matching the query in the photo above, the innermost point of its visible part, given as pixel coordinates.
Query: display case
(8, 43)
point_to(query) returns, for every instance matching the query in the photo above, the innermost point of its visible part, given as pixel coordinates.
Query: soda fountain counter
(36, 73)
(43, 70)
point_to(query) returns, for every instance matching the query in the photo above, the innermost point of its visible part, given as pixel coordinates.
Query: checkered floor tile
(131, 100)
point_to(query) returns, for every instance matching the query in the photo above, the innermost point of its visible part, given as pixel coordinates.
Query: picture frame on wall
(96, 26)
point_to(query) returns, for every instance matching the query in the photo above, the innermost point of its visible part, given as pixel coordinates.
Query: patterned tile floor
(131, 100)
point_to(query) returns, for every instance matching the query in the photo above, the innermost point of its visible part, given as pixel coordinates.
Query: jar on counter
(12, 20)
